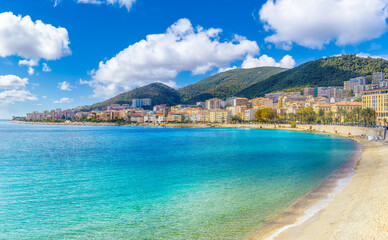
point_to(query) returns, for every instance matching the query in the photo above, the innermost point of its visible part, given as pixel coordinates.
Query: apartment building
(377, 99)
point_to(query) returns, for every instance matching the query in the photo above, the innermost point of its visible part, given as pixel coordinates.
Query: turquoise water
(77, 182)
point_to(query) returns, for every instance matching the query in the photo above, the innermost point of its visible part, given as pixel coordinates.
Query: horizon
(139, 42)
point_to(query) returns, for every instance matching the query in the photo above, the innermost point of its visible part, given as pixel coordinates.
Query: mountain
(158, 92)
(331, 71)
(226, 84)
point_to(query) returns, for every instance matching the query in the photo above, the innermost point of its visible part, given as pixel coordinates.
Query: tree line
(357, 116)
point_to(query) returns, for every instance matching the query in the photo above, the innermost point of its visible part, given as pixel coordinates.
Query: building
(310, 92)
(377, 99)
(201, 104)
(274, 96)
(261, 102)
(285, 100)
(336, 92)
(377, 78)
(220, 116)
(118, 107)
(213, 104)
(139, 103)
(250, 114)
(237, 110)
(157, 108)
(237, 101)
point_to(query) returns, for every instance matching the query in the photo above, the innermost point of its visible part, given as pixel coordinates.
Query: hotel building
(377, 99)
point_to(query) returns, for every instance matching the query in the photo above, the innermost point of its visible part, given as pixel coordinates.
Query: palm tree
(330, 116)
(369, 115)
(341, 112)
(357, 113)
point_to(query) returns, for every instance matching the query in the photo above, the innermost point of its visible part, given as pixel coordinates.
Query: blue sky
(91, 50)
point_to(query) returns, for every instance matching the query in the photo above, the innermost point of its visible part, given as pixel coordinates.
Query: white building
(250, 114)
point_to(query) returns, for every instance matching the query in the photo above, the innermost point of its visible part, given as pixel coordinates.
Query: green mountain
(158, 92)
(226, 84)
(331, 71)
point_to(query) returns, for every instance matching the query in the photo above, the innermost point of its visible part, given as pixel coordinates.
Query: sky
(68, 53)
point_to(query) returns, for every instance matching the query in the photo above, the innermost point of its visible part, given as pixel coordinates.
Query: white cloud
(160, 57)
(220, 70)
(46, 68)
(44, 97)
(316, 23)
(366, 55)
(22, 37)
(266, 61)
(65, 86)
(30, 63)
(14, 95)
(122, 3)
(64, 100)
(12, 82)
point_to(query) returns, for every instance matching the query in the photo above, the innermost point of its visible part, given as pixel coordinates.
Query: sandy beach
(360, 211)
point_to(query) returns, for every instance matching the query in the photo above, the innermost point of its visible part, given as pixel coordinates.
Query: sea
(106, 182)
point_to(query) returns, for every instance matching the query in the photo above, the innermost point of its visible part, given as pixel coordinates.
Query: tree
(369, 115)
(307, 114)
(237, 118)
(266, 114)
(342, 113)
(357, 113)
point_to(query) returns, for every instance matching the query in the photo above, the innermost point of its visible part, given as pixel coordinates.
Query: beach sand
(360, 211)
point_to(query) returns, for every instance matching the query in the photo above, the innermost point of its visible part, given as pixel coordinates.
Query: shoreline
(305, 212)
(309, 205)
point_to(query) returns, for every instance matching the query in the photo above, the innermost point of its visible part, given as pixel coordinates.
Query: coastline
(311, 204)
(320, 214)
(358, 211)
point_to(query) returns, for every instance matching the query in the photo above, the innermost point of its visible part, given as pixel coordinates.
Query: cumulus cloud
(30, 63)
(64, 100)
(160, 57)
(122, 3)
(65, 86)
(14, 95)
(366, 55)
(220, 70)
(46, 68)
(315, 23)
(33, 40)
(12, 82)
(266, 61)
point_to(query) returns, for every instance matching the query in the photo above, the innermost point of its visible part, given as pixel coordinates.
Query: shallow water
(78, 182)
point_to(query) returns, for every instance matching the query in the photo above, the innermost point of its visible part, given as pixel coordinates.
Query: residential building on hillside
(260, 102)
(377, 78)
(310, 92)
(239, 101)
(202, 105)
(118, 107)
(213, 104)
(138, 103)
(274, 96)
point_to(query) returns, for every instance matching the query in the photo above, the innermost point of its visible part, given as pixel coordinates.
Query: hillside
(158, 92)
(226, 84)
(332, 71)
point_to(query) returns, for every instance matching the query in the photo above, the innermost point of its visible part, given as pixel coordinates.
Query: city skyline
(77, 52)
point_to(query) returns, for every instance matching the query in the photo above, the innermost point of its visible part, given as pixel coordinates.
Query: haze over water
(78, 182)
